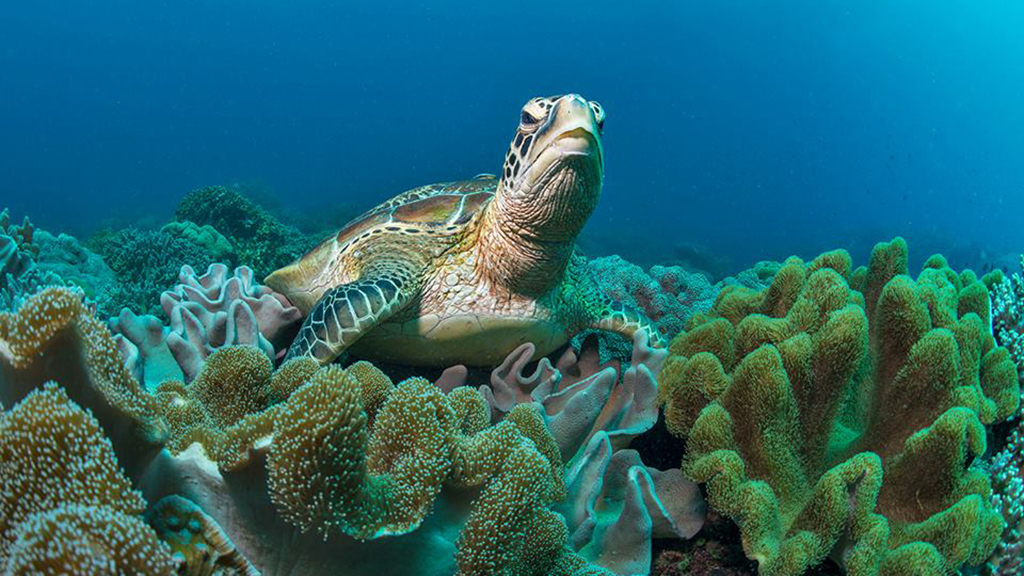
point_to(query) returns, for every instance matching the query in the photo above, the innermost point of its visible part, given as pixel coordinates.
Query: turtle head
(551, 180)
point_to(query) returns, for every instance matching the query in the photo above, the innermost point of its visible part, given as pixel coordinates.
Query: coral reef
(667, 295)
(758, 277)
(31, 259)
(1008, 311)
(1008, 499)
(206, 237)
(65, 506)
(1007, 475)
(345, 453)
(19, 275)
(75, 265)
(837, 413)
(615, 504)
(207, 312)
(258, 239)
(145, 262)
(348, 452)
(22, 236)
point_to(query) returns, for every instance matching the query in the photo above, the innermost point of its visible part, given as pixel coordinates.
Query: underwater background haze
(752, 129)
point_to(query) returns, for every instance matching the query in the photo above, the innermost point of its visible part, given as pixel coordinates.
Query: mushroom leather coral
(349, 453)
(54, 336)
(65, 506)
(276, 460)
(207, 312)
(837, 412)
(615, 506)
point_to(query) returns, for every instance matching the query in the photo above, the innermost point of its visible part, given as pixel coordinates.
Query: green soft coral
(834, 414)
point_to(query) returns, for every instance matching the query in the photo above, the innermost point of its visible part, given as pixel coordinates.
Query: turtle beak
(572, 129)
(302, 281)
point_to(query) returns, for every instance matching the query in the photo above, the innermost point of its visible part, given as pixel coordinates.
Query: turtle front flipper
(347, 312)
(627, 321)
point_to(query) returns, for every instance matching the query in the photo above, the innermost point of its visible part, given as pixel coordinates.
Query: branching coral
(1008, 499)
(836, 413)
(18, 274)
(145, 262)
(207, 313)
(1008, 311)
(32, 259)
(258, 239)
(65, 506)
(23, 236)
(20, 277)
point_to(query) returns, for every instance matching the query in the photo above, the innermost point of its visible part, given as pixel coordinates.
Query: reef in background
(131, 267)
(31, 259)
(214, 215)
(212, 225)
(668, 295)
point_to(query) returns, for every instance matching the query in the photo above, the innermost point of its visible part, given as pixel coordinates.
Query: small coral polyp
(836, 414)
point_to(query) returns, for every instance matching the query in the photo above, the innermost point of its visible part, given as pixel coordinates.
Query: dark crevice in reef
(658, 448)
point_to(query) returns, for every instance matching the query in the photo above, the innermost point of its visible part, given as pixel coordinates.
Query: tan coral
(87, 541)
(54, 336)
(60, 483)
(331, 468)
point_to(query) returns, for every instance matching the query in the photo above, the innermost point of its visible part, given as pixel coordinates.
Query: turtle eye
(598, 115)
(527, 119)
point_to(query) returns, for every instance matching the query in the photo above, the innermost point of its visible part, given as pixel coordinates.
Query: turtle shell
(437, 209)
(434, 206)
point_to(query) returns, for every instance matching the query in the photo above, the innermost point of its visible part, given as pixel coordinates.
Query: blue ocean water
(752, 129)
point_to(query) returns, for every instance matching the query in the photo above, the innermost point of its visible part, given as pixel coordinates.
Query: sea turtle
(464, 272)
